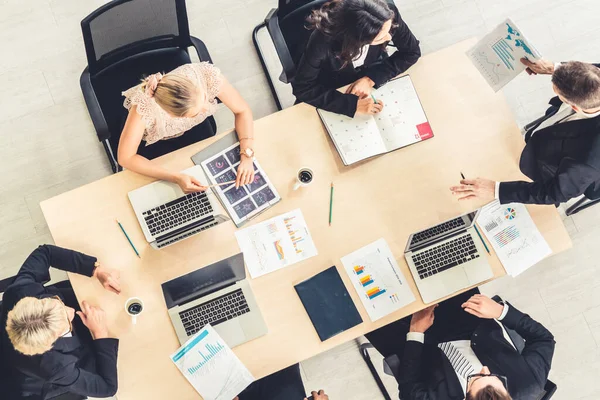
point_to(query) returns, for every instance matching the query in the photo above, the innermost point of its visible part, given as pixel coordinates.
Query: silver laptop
(217, 294)
(447, 258)
(167, 215)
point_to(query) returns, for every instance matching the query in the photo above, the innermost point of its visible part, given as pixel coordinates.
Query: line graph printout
(514, 236)
(276, 243)
(211, 367)
(377, 279)
(497, 56)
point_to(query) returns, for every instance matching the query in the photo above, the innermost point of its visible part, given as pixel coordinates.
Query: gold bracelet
(245, 138)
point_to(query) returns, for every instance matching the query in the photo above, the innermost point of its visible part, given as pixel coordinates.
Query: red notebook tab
(425, 131)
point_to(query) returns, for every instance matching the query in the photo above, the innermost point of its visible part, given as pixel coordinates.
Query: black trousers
(451, 323)
(283, 385)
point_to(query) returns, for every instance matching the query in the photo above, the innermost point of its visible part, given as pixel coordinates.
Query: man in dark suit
(45, 351)
(562, 154)
(467, 353)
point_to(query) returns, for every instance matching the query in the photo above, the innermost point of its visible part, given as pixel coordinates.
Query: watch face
(249, 152)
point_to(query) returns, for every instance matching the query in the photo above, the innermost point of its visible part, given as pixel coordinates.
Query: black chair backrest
(122, 28)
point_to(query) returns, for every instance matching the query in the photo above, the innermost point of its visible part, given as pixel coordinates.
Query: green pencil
(330, 203)
(374, 99)
(129, 240)
(482, 241)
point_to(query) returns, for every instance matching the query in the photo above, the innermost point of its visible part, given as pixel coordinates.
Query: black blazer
(75, 364)
(426, 374)
(319, 72)
(563, 160)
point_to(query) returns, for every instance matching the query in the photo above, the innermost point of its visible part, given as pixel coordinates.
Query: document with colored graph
(276, 243)
(514, 236)
(211, 366)
(497, 56)
(377, 279)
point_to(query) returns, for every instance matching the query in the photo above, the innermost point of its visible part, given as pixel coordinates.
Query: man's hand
(542, 67)
(483, 307)
(320, 395)
(422, 320)
(480, 188)
(109, 278)
(94, 319)
(361, 88)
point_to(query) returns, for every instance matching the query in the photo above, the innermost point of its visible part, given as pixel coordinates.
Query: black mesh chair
(126, 40)
(285, 25)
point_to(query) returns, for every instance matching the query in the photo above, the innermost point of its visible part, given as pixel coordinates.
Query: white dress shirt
(359, 62)
(460, 354)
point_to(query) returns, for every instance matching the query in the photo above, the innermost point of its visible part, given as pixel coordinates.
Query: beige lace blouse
(160, 124)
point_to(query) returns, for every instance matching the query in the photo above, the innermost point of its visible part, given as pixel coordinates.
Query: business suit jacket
(563, 160)
(426, 374)
(75, 364)
(319, 72)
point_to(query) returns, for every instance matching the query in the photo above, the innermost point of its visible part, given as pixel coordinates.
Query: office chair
(126, 40)
(582, 204)
(392, 363)
(285, 25)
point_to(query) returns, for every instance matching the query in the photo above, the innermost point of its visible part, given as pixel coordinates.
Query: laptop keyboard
(214, 312)
(445, 256)
(437, 230)
(177, 212)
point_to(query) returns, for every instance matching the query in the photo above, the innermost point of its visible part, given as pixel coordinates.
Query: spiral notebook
(401, 123)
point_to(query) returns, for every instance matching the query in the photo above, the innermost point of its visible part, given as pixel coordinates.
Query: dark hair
(351, 23)
(488, 393)
(579, 83)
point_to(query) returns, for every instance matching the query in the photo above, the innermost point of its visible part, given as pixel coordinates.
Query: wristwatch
(248, 152)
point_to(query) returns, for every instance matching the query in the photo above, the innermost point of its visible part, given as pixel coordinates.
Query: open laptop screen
(204, 281)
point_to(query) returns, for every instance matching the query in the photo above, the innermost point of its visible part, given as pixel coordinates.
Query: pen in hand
(374, 99)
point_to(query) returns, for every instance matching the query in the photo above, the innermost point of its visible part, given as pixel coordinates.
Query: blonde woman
(166, 106)
(46, 351)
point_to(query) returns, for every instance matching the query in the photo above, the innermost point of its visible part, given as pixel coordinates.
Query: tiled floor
(48, 146)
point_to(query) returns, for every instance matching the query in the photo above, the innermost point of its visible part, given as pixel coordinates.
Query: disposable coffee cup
(134, 307)
(304, 177)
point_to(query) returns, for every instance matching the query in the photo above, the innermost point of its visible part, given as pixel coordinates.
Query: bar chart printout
(211, 367)
(377, 279)
(497, 56)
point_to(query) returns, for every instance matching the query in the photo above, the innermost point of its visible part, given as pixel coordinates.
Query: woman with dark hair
(348, 46)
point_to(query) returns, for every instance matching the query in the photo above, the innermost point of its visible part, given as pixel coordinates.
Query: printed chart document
(401, 123)
(514, 236)
(377, 279)
(246, 201)
(276, 243)
(211, 366)
(497, 56)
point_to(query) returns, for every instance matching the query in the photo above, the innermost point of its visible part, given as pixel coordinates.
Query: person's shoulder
(318, 43)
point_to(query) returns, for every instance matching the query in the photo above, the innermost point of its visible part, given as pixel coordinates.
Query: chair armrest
(201, 49)
(272, 22)
(93, 106)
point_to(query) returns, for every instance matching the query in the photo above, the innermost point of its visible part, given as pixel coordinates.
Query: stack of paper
(276, 243)
(377, 279)
(514, 236)
(211, 367)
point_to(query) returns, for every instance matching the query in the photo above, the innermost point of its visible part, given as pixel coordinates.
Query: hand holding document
(377, 278)
(211, 366)
(514, 236)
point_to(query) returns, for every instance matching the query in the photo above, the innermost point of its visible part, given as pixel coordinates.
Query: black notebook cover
(328, 303)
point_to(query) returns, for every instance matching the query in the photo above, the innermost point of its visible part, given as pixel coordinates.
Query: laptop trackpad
(231, 332)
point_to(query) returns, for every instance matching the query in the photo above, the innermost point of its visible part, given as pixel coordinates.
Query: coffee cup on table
(303, 178)
(134, 307)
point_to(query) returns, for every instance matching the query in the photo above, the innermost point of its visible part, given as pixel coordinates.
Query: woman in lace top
(166, 106)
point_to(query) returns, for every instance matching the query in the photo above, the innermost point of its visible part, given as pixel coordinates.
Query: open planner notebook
(401, 123)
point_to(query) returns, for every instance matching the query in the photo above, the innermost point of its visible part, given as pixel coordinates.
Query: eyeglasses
(67, 314)
(474, 377)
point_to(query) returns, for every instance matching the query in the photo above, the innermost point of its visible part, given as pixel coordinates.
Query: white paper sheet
(211, 366)
(377, 279)
(276, 243)
(497, 56)
(513, 235)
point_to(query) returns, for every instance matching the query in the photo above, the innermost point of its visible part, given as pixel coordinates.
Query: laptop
(219, 295)
(447, 257)
(167, 215)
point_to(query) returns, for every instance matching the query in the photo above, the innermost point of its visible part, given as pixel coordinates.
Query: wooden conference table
(390, 196)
